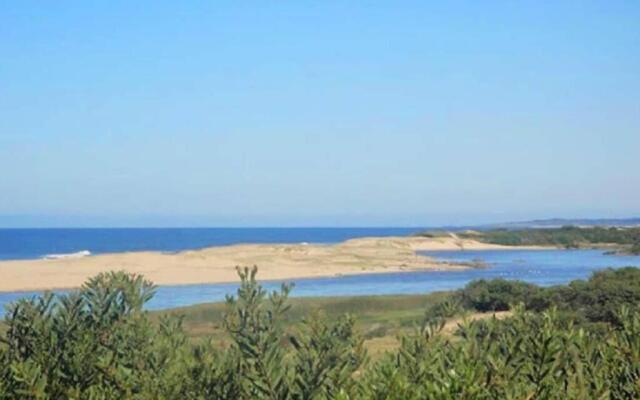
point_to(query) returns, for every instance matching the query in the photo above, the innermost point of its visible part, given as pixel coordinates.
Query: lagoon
(541, 267)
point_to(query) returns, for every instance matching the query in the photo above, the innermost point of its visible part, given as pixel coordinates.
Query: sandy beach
(217, 264)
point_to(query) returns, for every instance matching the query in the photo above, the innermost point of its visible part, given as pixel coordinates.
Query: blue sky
(317, 113)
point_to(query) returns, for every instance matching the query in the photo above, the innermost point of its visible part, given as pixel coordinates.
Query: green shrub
(599, 299)
(496, 294)
(595, 300)
(566, 236)
(447, 308)
(98, 343)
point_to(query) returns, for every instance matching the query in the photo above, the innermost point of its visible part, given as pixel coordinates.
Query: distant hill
(559, 222)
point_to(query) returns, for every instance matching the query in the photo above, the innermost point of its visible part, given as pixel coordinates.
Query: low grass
(380, 319)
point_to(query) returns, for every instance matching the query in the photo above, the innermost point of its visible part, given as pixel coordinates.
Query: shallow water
(542, 267)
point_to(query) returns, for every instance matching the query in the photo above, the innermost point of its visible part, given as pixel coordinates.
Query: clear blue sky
(317, 112)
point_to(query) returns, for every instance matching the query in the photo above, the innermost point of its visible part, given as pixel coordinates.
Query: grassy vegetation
(580, 341)
(627, 239)
(380, 319)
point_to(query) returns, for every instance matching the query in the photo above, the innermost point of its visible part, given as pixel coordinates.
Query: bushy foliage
(98, 343)
(93, 344)
(567, 236)
(495, 295)
(599, 299)
(528, 356)
(595, 300)
(447, 308)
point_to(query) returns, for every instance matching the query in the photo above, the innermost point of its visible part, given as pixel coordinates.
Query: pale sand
(217, 264)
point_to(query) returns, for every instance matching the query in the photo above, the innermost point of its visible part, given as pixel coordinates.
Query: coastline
(217, 264)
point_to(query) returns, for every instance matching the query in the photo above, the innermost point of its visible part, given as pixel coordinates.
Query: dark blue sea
(21, 244)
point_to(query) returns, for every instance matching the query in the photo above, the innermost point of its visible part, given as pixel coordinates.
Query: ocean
(21, 244)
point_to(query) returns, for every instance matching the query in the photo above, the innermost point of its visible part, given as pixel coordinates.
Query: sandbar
(218, 264)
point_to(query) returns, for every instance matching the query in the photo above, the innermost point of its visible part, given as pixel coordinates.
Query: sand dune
(217, 264)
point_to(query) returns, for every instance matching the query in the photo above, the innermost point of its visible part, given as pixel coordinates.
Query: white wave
(79, 254)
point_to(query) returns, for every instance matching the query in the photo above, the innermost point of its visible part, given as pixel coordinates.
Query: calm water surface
(542, 267)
